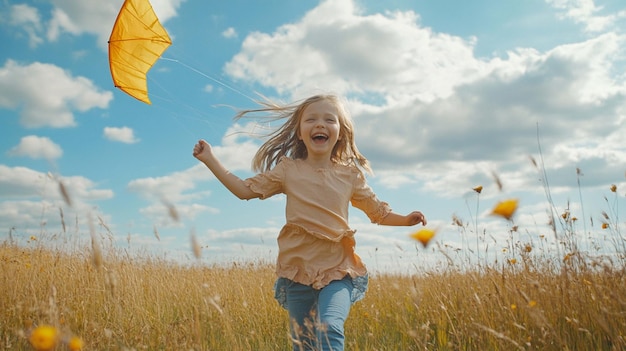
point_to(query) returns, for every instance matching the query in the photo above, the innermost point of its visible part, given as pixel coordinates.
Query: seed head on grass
(156, 233)
(64, 193)
(195, 246)
(171, 210)
(457, 221)
(96, 251)
(496, 179)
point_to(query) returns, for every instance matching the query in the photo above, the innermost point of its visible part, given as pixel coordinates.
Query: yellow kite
(137, 41)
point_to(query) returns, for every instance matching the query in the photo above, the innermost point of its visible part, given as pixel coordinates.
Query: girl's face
(319, 128)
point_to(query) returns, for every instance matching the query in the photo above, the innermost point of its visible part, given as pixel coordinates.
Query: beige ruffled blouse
(316, 245)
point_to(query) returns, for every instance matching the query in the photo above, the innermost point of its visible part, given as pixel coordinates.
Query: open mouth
(319, 138)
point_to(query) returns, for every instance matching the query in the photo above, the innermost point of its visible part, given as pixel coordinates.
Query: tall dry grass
(142, 304)
(127, 303)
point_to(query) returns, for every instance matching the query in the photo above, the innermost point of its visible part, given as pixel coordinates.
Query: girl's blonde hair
(285, 142)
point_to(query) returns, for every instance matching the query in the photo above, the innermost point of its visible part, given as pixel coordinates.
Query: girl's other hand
(416, 217)
(202, 150)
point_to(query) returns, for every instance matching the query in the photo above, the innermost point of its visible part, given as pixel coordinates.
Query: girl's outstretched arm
(412, 218)
(202, 151)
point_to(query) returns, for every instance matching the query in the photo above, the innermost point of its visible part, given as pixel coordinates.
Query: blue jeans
(317, 316)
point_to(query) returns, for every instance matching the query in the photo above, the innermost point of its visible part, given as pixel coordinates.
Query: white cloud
(37, 147)
(229, 33)
(237, 148)
(170, 188)
(586, 13)
(61, 22)
(120, 134)
(47, 95)
(176, 191)
(162, 216)
(82, 17)
(22, 182)
(78, 17)
(34, 198)
(28, 18)
(166, 9)
(337, 49)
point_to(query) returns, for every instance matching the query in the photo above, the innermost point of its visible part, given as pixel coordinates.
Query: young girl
(313, 159)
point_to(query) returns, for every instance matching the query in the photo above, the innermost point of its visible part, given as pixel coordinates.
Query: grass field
(115, 302)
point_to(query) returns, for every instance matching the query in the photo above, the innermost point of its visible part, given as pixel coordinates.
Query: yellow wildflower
(478, 189)
(44, 338)
(505, 208)
(424, 235)
(605, 225)
(613, 187)
(75, 344)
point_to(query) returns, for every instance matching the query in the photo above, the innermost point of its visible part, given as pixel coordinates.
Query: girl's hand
(202, 150)
(412, 218)
(416, 217)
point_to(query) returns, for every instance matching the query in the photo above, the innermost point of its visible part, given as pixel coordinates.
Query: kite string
(209, 77)
(195, 113)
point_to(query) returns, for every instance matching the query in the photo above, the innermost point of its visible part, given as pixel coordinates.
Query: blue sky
(444, 95)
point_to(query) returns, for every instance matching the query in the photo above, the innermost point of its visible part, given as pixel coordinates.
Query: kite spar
(137, 40)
